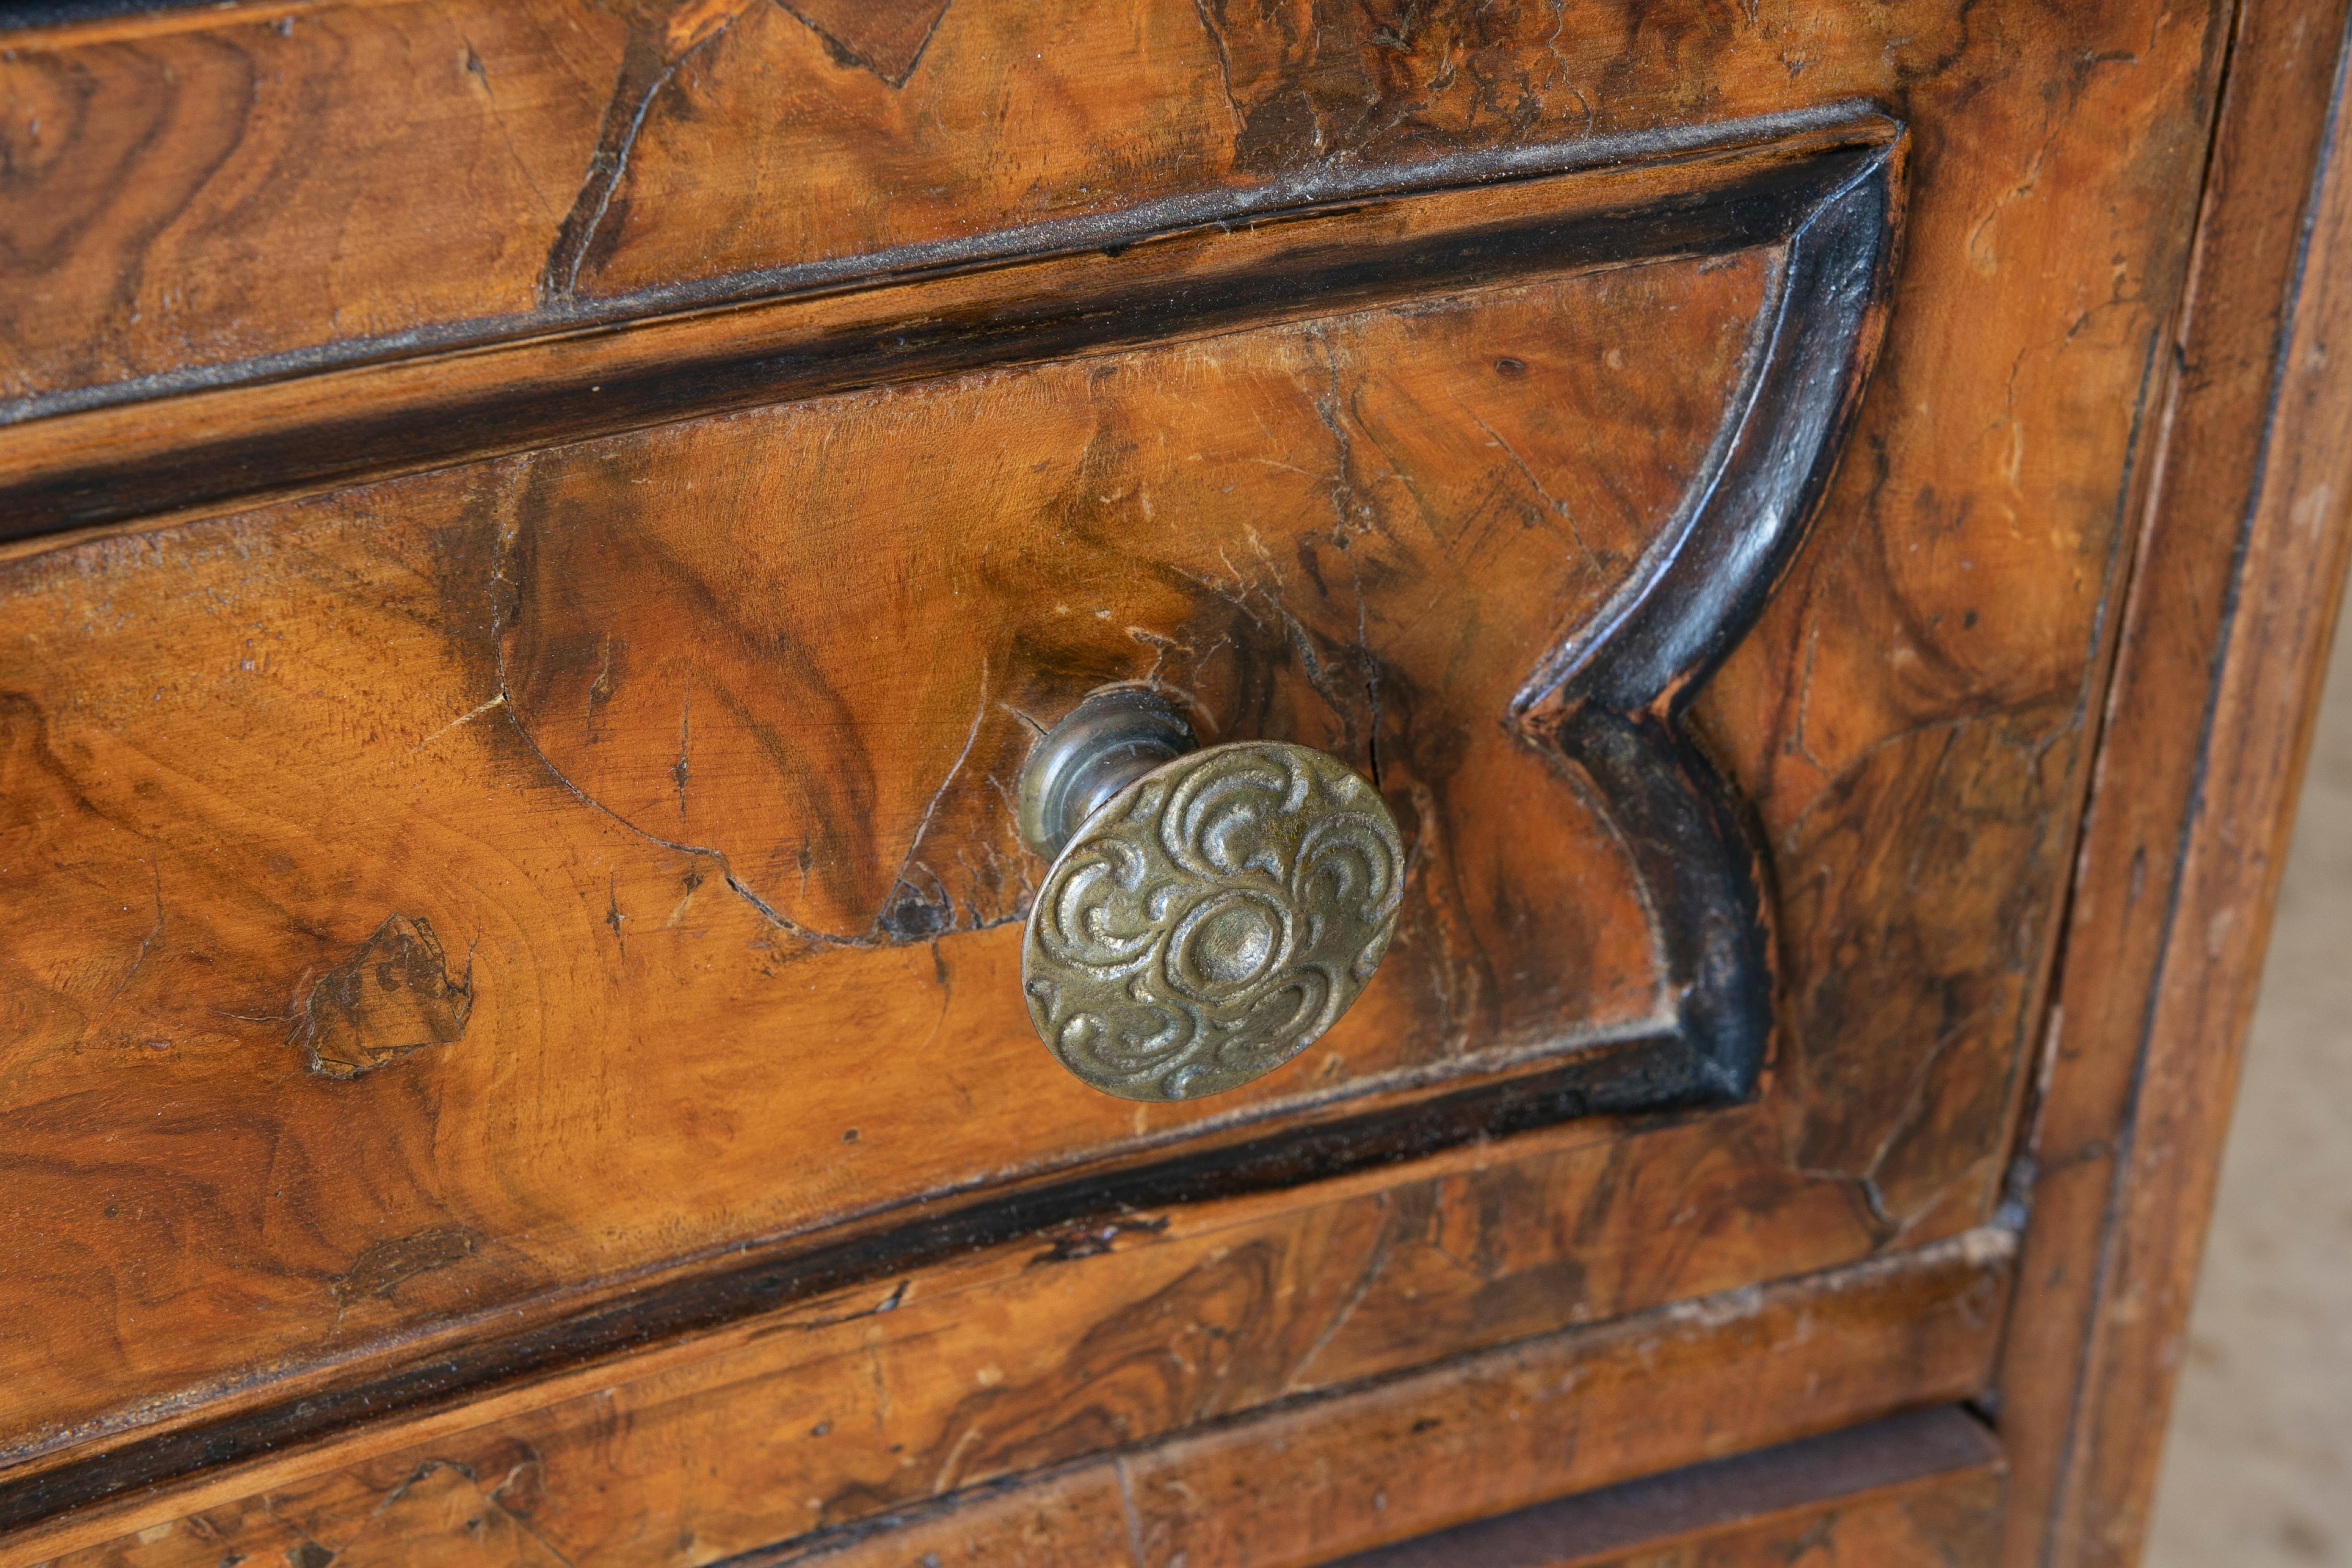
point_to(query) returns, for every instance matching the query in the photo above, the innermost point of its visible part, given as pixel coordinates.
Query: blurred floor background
(2258, 1466)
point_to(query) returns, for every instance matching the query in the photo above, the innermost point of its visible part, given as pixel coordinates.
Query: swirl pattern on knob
(1211, 920)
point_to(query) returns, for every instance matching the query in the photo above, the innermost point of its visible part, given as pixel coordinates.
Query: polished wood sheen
(540, 536)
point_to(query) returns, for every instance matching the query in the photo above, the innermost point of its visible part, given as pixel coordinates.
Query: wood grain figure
(536, 539)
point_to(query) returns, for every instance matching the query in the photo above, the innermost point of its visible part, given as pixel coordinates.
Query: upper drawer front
(578, 864)
(205, 196)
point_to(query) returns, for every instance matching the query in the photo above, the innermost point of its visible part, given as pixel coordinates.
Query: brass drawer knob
(1208, 913)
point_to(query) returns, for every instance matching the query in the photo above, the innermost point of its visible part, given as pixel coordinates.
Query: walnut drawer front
(638, 876)
(512, 885)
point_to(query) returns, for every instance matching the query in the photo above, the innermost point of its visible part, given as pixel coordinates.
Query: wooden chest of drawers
(549, 542)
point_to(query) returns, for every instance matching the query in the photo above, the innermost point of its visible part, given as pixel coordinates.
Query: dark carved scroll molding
(1615, 699)
(1610, 705)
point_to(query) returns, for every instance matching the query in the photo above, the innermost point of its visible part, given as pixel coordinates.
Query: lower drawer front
(1926, 1488)
(1921, 1491)
(1242, 1381)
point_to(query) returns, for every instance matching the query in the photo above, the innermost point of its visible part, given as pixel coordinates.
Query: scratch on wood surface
(642, 74)
(146, 944)
(465, 718)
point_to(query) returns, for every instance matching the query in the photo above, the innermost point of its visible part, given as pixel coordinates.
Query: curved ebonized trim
(1610, 704)
(1613, 700)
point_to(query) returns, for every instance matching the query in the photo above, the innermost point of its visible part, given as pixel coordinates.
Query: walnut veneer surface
(543, 534)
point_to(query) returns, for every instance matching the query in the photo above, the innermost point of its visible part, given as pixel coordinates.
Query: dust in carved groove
(394, 994)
